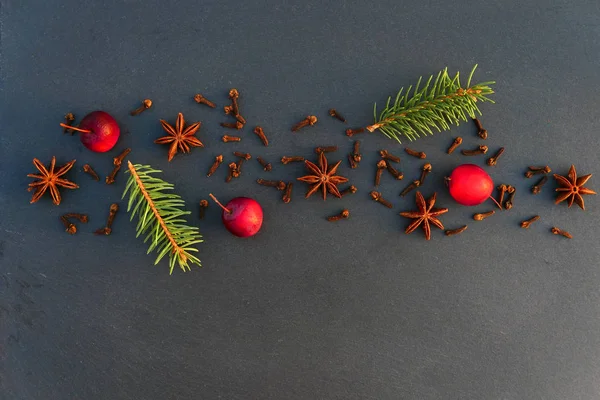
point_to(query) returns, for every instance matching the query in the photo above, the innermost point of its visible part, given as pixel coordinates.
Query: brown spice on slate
(537, 188)
(261, 134)
(245, 156)
(215, 165)
(333, 112)
(287, 160)
(501, 191)
(234, 171)
(546, 169)
(418, 154)
(560, 232)
(80, 217)
(481, 149)
(388, 156)
(238, 167)
(353, 164)
(356, 156)
(203, 207)
(232, 125)
(349, 190)
(228, 109)
(234, 95)
(426, 169)
(451, 232)
(179, 138)
(511, 195)
(411, 186)
(482, 133)
(494, 159)
(146, 104)
(287, 195)
(426, 215)
(117, 161)
(381, 165)
(240, 119)
(345, 214)
(309, 120)
(482, 216)
(457, 142)
(69, 226)
(352, 132)
(227, 139)
(379, 199)
(280, 185)
(571, 188)
(323, 176)
(266, 166)
(107, 230)
(89, 170)
(230, 172)
(326, 149)
(49, 179)
(198, 98)
(69, 119)
(394, 172)
(527, 223)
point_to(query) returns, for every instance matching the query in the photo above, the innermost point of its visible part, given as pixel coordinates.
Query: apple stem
(75, 129)
(220, 205)
(496, 201)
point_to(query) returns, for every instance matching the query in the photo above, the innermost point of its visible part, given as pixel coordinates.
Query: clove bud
(450, 232)
(117, 161)
(560, 232)
(345, 214)
(482, 133)
(494, 159)
(146, 104)
(309, 120)
(287, 195)
(266, 166)
(381, 165)
(482, 216)
(203, 100)
(457, 142)
(424, 171)
(227, 139)
(418, 154)
(537, 188)
(326, 149)
(411, 186)
(89, 170)
(215, 165)
(527, 223)
(111, 217)
(388, 156)
(232, 125)
(287, 160)
(481, 149)
(280, 185)
(261, 134)
(379, 199)
(336, 115)
(203, 207)
(352, 132)
(351, 189)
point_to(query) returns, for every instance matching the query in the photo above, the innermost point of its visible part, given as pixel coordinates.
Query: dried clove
(333, 112)
(450, 232)
(537, 171)
(203, 207)
(89, 170)
(411, 186)
(233, 168)
(481, 149)
(309, 120)
(238, 167)
(511, 195)
(560, 232)
(388, 156)
(234, 95)
(326, 149)
(266, 166)
(146, 104)
(352, 132)
(457, 142)
(426, 169)
(280, 185)
(527, 223)
(537, 188)
(394, 172)
(356, 156)
(378, 198)
(501, 191)
(287, 160)
(287, 195)
(261, 134)
(230, 172)
(418, 154)
(240, 119)
(227, 139)
(117, 161)
(353, 164)
(381, 165)
(345, 214)
(80, 217)
(349, 190)
(482, 133)
(69, 119)
(215, 165)
(70, 228)
(245, 156)
(482, 216)
(228, 109)
(232, 125)
(111, 217)
(494, 159)
(203, 100)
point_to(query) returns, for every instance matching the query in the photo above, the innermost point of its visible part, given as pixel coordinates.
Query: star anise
(323, 177)
(571, 188)
(50, 179)
(425, 215)
(179, 137)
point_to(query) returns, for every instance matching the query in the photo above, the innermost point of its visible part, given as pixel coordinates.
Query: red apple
(470, 185)
(242, 216)
(99, 131)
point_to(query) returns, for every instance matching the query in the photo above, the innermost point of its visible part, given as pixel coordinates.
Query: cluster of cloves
(504, 189)
(234, 110)
(69, 226)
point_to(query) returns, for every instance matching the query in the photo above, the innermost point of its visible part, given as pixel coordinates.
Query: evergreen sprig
(432, 106)
(159, 217)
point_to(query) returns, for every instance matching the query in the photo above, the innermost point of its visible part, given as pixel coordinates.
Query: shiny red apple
(242, 216)
(99, 131)
(470, 185)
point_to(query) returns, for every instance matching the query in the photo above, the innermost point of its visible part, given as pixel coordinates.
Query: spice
(394, 172)
(326, 149)
(388, 156)
(146, 104)
(336, 115)
(546, 169)
(198, 98)
(228, 109)
(353, 164)
(426, 215)
(203, 207)
(179, 138)
(287, 195)
(537, 171)
(351, 189)
(482, 216)
(381, 165)
(232, 125)
(352, 132)
(230, 172)
(69, 227)
(234, 95)
(482, 133)
(89, 170)
(234, 171)
(511, 195)
(418, 154)
(502, 190)
(527, 223)
(411, 186)
(80, 217)
(481, 149)
(117, 161)
(240, 119)
(537, 188)
(227, 139)
(238, 167)
(571, 188)
(287, 160)
(345, 214)
(494, 159)
(280, 185)
(309, 120)
(451, 232)
(50, 179)
(261, 134)
(215, 165)
(426, 169)
(245, 156)
(69, 119)
(560, 232)
(356, 156)
(266, 166)
(379, 199)
(111, 217)
(457, 142)
(323, 176)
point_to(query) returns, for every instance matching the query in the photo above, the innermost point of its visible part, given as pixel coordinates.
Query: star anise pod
(571, 188)
(179, 137)
(50, 179)
(425, 215)
(323, 177)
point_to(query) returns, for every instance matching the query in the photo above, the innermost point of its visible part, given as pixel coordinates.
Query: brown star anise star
(323, 177)
(425, 215)
(179, 137)
(572, 188)
(50, 179)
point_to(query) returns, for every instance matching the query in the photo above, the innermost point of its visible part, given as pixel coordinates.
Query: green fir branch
(433, 106)
(159, 217)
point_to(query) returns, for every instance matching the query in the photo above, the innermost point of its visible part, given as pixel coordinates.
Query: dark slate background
(306, 309)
